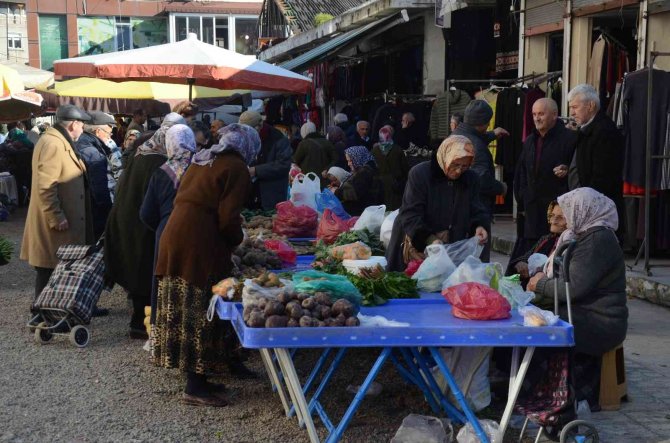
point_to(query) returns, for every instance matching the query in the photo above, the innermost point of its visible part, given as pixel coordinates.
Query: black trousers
(41, 279)
(139, 302)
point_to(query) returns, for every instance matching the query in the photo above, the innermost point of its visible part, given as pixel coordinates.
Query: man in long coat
(57, 214)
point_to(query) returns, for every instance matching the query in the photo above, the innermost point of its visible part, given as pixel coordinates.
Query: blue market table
(431, 327)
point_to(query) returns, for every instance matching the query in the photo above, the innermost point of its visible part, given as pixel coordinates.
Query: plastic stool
(613, 380)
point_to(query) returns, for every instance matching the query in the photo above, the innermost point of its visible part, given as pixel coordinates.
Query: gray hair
(586, 93)
(91, 128)
(549, 103)
(340, 118)
(360, 122)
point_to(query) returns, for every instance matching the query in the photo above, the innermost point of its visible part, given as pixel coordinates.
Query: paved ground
(110, 392)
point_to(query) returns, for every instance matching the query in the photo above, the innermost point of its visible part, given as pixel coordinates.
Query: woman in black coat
(361, 189)
(441, 200)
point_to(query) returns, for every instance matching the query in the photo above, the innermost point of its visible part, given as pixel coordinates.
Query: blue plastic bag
(327, 200)
(337, 286)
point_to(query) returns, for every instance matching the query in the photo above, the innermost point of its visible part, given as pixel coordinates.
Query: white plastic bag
(372, 218)
(252, 292)
(473, 270)
(434, 270)
(304, 190)
(462, 249)
(470, 368)
(534, 316)
(387, 228)
(536, 263)
(514, 293)
(467, 433)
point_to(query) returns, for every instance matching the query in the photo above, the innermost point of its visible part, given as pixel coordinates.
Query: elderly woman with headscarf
(203, 134)
(194, 253)
(180, 144)
(129, 243)
(149, 142)
(362, 188)
(597, 283)
(338, 138)
(393, 167)
(315, 153)
(336, 177)
(440, 205)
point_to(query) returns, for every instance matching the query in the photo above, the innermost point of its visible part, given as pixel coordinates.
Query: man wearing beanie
(476, 120)
(269, 173)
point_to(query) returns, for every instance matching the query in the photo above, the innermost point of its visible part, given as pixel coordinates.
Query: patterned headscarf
(156, 144)
(180, 146)
(584, 208)
(452, 148)
(386, 139)
(360, 156)
(241, 138)
(335, 134)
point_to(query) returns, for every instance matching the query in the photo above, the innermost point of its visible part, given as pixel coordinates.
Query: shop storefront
(238, 33)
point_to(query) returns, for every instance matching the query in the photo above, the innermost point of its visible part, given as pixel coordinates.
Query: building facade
(67, 28)
(13, 31)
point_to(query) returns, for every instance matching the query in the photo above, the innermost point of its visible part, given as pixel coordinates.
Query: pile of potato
(252, 258)
(292, 310)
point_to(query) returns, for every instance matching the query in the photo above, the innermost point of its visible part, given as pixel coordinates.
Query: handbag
(410, 253)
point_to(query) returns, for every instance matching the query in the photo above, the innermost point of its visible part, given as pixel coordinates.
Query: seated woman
(336, 176)
(361, 189)
(545, 245)
(440, 205)
(597, 284)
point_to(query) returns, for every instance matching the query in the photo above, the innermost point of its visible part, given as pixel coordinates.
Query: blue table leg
(472, 418)
(420, 382)
(453, 413)
(326, 378)
(315, 371)
(336, 435)
(405, 373)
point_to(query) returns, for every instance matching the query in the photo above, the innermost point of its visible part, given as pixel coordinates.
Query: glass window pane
(246, 35)
(208, 30)
(180, 28)
(123, 40)
(194, 26)
(221, 32)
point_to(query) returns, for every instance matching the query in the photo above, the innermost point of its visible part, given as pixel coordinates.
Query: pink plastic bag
(295, 221)
(330, 227)
(285, 252)
(475, 301)
(412, 267)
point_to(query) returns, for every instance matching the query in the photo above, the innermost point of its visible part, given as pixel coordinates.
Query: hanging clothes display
(609, 62)
(456, 101)
(510, 108)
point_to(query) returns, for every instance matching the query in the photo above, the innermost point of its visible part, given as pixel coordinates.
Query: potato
(284, 298)
(343, 306)
(276, 321)
(326, 312)
(341, 319)
(273, 307)
(328, 322)
(306, 322)
(309, 303)
(317, 312)
(256, 319)
(303, 296)
(293, 323)
(323, 298)
(247, 312)
(294, 310)
(353, 321)
(262, 302)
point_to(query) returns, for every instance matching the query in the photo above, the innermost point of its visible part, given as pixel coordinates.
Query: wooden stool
(613, 380)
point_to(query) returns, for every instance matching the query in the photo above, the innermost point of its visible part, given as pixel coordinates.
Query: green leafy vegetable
(377, 286)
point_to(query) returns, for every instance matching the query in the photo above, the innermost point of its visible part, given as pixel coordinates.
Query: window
(221, 32)
(246, 35)
(14, 41)
(180, 28)
(208, 30)
(124, 39)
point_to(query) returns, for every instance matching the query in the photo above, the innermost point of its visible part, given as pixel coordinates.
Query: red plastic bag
(295, 221)
(330, 227)
(285, 252)
(475, 301)
(412, 267)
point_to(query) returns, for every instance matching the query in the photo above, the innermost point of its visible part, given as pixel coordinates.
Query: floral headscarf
(180, 146)
(335, 135)
(156, 144)
(386, 139)
(452, 148)
(584, 208)
(360, 156)
(237, 137)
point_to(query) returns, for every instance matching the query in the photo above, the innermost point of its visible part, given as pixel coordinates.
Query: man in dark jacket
(540, 176)
(270, 171)
(342, 121)
(476, 119)
(598, 159)
(94, 152)
(315, 153)
(362, 135)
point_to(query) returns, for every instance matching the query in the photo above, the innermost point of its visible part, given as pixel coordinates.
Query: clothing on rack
(609, 62)
(510, 108)
(455, 101)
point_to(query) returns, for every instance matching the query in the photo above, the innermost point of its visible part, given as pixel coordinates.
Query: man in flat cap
(476, 120)
(270, 171)
(59, 201)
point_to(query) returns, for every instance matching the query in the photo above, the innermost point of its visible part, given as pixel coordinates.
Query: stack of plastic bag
(305, 189)
(295, 221)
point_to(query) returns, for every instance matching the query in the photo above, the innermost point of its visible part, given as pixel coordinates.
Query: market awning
(341, 41)
(31, 77)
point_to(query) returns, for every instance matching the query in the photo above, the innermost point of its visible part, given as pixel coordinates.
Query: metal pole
(190, 81)
(647, 179)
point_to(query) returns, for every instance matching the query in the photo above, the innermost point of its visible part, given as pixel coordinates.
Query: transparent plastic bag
(514, 293)
(304, 190)
(371, 218)
(534, 316)
(338, 286)
(462, 249)
(536, 263)
(472, 270)
(470, 368)
(467, 433)
(327, 200)
(252, 292)
(387, 228)
(434, 270)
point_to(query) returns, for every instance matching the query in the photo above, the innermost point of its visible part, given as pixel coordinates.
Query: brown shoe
(212, 400)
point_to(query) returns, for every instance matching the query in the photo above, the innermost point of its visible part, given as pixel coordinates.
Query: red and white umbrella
(188, 61)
